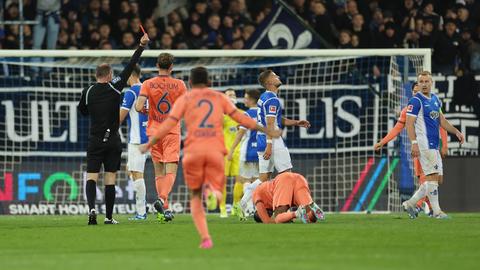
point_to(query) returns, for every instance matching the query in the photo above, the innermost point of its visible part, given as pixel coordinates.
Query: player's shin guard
(198, 215)
(140, 196)
(109, 200)
(432, 193)
(91, 192)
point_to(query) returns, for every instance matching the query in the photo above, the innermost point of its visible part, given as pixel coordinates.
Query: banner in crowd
(282, 30)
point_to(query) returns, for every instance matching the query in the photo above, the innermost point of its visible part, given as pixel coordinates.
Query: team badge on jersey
(272, 109)
(409, 108)
(434, 114)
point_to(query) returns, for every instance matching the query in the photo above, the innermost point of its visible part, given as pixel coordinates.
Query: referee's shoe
(92, 217)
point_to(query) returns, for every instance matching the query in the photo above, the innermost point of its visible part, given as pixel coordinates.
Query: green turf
(342, 242)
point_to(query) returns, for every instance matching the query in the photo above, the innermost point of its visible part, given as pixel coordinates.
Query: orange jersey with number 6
(162, 92)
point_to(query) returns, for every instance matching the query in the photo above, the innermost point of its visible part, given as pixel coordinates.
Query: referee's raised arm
(120, 81)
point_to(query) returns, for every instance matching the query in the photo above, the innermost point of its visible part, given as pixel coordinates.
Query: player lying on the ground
(286, 190)
(392, 134)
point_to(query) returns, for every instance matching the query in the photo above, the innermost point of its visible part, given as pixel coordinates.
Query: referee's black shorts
(107, 153)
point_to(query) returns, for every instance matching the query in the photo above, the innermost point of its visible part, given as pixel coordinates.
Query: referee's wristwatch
(414, 142)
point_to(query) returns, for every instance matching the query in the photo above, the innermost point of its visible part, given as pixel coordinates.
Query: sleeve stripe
(124, 108)
(401, 122)
(116, 90)
(86, 95)
(411, 114)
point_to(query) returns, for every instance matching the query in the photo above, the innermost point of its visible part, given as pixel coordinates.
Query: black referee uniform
(101, 102)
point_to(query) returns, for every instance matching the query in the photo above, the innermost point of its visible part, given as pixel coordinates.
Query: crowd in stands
(450, 27)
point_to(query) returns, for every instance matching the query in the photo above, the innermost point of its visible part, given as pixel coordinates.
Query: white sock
(248, 193)
(420, 193)
(140, 194)
(432, 193)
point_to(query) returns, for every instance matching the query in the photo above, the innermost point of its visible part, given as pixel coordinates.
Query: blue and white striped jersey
(248, 150)
(268, 106)
(427, 125)
(137, 122)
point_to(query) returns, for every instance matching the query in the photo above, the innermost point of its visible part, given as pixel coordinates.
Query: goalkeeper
(101, 101)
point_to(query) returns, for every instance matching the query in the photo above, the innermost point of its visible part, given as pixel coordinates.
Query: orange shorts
(167, 149)
(204, 168)
(301, 195)
(291, 191)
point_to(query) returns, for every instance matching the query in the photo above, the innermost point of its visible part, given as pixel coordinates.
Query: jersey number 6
(163, 101)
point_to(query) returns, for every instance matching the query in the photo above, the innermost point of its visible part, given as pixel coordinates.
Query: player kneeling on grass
(286, 190)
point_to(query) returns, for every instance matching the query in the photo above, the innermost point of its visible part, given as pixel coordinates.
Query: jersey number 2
(204, 123)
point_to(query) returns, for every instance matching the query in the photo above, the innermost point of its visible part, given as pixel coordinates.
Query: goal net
(351, 98)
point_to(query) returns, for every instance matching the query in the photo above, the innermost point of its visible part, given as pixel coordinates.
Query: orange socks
(164, 186)
(198, 214)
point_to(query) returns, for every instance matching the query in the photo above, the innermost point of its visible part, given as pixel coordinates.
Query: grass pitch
(341, 242)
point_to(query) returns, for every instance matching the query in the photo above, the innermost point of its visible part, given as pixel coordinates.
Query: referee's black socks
(91, 191)
(109, 200)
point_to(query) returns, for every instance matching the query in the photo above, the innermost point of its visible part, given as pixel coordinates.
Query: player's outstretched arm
(238, 138)
(295, 123)
(450, 128)
(120, 81)
(392, 134)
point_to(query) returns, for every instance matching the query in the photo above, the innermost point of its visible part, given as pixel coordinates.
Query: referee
(101, 101)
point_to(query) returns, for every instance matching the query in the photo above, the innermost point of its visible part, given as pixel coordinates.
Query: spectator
(48, 19)
(166, 42)
(446, 49)
(428, 13)
(227, 29)
(213, 30)
(360, 31)
(247, 31)
(389, 38)
(322, 22)
(128, 41)
(63, 42)
(105, 36)
(344, 39)
(135, 23)
(428, 37)
(196, 39)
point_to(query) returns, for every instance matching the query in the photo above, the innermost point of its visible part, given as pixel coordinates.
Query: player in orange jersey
(204, 148)
(286, 190)
(162, 92)
(399, 126)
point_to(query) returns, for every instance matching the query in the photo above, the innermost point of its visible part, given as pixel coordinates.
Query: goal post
(351, 97)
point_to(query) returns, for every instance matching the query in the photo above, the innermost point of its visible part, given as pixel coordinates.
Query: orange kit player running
(399, 126)
(204, 149)
(162, 92)
(286, 190)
